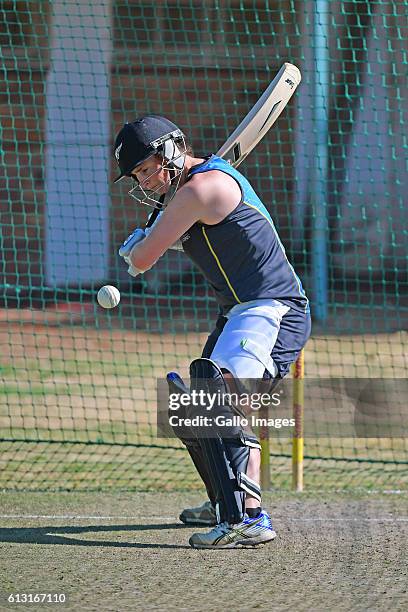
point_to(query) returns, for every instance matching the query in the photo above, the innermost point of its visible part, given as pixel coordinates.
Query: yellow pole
(298, 415)
(265, 451)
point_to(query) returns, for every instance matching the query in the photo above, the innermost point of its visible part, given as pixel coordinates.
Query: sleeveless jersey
(242, 256)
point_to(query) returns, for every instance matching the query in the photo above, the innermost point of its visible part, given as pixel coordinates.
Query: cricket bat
(262, 116)
(258, 121)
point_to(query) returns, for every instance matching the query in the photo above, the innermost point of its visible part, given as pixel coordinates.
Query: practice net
(78, 384)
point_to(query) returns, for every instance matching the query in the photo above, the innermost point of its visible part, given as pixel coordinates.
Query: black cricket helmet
(139, 140)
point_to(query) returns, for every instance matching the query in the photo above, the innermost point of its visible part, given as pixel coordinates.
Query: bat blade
(258, 121)
(262, 116)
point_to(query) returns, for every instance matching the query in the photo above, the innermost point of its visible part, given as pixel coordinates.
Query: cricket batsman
(210, 211)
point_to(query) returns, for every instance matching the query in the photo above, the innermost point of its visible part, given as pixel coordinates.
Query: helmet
(143, 138)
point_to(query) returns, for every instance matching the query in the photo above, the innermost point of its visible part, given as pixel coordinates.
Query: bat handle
(155, 213)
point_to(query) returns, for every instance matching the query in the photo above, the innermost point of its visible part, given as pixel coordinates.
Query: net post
(263, 432)
(298, 370)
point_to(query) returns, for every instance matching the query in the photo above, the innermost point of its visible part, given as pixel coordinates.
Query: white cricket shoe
(201, 515)
(249, 532)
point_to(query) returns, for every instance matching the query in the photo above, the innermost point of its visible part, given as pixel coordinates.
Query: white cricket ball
(108, 296)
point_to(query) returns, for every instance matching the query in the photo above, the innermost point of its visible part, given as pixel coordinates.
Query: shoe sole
(197, 523)
(250, 542)
(193, 521)
(261, 540)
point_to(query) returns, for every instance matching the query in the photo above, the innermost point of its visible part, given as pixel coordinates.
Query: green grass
(86, 467)
(89, 408)
(31, 370)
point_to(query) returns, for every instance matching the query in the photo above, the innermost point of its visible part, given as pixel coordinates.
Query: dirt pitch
(129, 552)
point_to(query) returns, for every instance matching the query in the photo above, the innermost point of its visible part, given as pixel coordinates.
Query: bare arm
(207, 198)
(182, 212)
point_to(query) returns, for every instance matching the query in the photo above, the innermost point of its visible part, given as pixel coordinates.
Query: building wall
(203, 65)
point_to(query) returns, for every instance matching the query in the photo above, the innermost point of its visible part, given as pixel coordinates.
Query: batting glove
(136, 236)
(125, 250)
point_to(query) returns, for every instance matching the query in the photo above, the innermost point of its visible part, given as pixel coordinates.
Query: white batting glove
(125, 250)
(131, 268)
(136, 236)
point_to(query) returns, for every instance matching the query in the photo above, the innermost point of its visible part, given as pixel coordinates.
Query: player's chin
(161, 189)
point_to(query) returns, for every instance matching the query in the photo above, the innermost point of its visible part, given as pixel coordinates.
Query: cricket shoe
(202, 515)
(249, 532)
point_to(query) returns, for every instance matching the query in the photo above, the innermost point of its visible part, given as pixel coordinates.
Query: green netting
(77, 395)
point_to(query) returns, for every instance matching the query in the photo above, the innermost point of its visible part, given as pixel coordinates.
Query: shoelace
(225, 527)
(221, 528)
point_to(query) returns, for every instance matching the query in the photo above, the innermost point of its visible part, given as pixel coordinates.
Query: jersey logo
(185, 237)
(117, 151)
